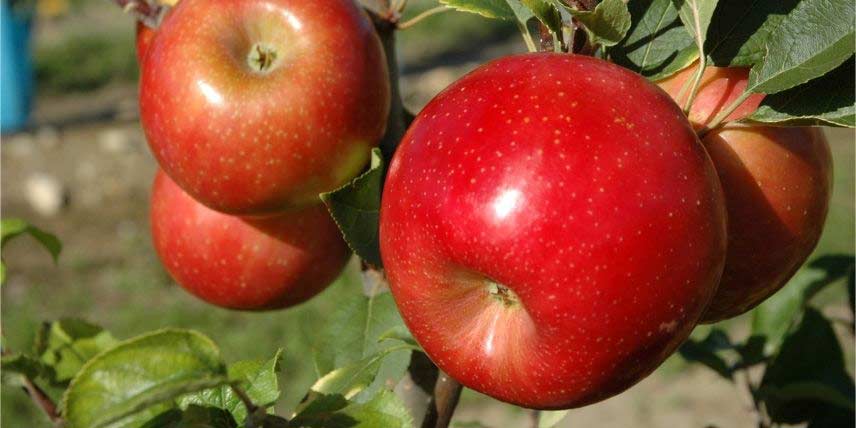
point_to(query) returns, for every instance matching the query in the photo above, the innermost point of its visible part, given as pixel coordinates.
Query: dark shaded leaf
(356, 207)
(657, 45)
(808, 375)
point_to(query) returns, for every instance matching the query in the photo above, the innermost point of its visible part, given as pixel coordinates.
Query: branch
(447, 392)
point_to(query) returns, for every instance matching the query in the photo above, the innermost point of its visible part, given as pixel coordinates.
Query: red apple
(552, 229)
(243, 263)
(144, 37)
(777, 185)
(255, 106)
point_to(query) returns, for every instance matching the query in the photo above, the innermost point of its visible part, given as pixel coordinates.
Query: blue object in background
(16, 68)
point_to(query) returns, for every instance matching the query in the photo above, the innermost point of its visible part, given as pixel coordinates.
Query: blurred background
(75, 163)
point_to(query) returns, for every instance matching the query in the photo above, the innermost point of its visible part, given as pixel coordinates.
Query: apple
(244, 263)
(257, 106)
(551, 229)
(144, 35)
(777, 185)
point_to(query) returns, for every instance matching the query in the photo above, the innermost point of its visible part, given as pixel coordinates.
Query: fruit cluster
(552, 227)
(252, 109)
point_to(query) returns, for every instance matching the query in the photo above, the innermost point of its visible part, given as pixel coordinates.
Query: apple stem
(447, 392)
(723, 114)
(546, 38)
(702, 64)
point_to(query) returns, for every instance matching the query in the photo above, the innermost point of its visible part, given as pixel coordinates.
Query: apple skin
(250, 142)
(582, 189)
(244, 263)
(777, 185)
(719, 87)
(144, 35)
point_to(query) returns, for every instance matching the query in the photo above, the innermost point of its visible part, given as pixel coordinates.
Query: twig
(447, 392)
(395, 124)
(242, 395)
(149, 12)
(41, 399)
(534, 418)
(415, 20)
(755, 406)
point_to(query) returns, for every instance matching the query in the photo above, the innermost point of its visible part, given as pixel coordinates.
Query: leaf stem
(723, 114)
(527, 38)
(447, 392)
(702, 64)
(415, 20)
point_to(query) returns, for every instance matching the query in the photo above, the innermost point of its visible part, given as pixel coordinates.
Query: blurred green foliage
(85, 62)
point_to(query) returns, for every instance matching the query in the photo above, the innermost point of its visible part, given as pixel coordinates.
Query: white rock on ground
(46, 195)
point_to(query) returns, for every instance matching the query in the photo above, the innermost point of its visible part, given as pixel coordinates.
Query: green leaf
(828, 100)
(334, 411)
(356, 207)
(696, 16)
(549, 419)
(739, 30)
(12, 227)
(357, 329)
(656, 45)
(257, 377)
(706, 352)
(23, 365)
(547, 13)
(607, 24)
(808, 375)
(193, 417)
(814, 38)
(773, 318)
(66, 345)
(146, 372)
(497, 9)
(351, 379)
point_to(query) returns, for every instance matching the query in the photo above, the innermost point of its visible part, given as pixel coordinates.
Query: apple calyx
(262, 58)
(502, 294)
